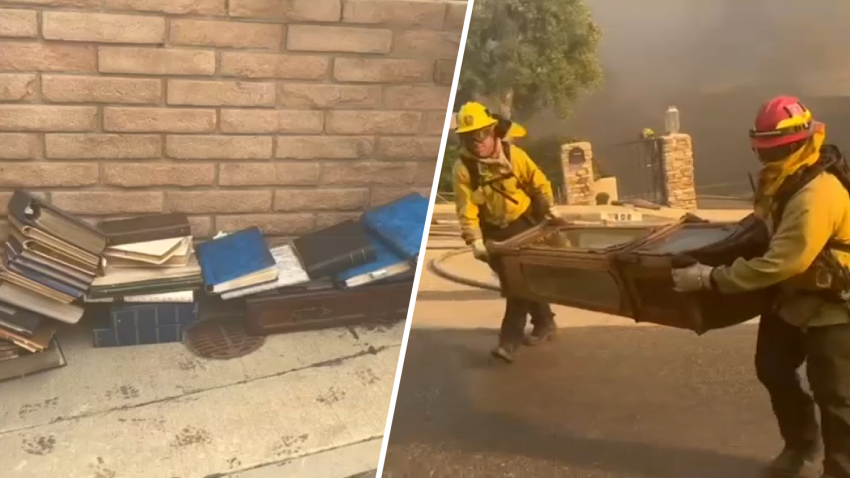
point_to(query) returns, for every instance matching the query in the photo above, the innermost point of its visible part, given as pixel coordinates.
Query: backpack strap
(794, 184)
(540, 208)
(506, 148)
(832, 162)
(475, 178)
(475, 174)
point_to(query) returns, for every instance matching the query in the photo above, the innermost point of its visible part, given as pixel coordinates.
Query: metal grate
(221, 338)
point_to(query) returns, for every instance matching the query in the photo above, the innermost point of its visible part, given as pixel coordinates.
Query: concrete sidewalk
(304, 405)
(335, 463)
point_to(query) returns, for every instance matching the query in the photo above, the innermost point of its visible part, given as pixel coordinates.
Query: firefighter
(802, 195)
(499, 193)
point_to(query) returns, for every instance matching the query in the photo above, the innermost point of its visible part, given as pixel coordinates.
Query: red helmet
(781, 121)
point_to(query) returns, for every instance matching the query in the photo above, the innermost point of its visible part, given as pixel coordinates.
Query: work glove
(554, 219)
(479, 250)
(692, 278)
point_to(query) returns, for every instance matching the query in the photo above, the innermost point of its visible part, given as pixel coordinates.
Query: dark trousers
(780, 350)
(517, 310)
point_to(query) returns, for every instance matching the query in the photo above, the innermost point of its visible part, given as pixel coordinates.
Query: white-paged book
(290, 272)
(185, 297)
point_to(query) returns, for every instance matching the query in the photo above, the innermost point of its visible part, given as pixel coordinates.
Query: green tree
(527, 55)
(546, 153)
(452, 155)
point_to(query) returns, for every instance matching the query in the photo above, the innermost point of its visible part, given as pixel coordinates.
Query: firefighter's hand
(555, 220)
(479, 250)
(692, 278)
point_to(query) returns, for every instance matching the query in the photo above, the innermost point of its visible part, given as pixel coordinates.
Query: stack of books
(159, 241)
(149, 271)
(146, 255)
(50, 260)
(394, 232)
(150, 275)
(25, 330)
(383, 244)
(27, 343)
(353, 272)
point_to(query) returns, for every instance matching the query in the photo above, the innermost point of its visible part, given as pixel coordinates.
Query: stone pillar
(677, 156)
(576, 159)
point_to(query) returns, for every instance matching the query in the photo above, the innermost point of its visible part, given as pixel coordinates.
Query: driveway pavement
(608, 399)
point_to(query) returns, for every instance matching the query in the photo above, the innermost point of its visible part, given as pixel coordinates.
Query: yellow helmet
(516, 131)
(472, 117)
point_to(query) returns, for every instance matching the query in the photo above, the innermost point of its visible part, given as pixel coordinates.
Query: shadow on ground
(611, 402)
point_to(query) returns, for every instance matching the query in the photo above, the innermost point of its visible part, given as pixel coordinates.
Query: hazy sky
(716, 60)
(721, 41)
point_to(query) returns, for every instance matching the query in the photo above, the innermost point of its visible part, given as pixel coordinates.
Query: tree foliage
(452, 154)
(528, 55)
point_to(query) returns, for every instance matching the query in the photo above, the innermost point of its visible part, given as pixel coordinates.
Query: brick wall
(287, 114)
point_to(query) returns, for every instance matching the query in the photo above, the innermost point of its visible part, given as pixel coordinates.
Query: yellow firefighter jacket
(497, 209)
(820, 211)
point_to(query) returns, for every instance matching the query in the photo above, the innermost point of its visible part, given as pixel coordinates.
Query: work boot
(540, 334)
(793, 463)
(505, 351)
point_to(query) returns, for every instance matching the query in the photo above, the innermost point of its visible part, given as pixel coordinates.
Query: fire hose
(437, 265)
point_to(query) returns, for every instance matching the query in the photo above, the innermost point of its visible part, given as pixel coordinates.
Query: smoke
(717, 61)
